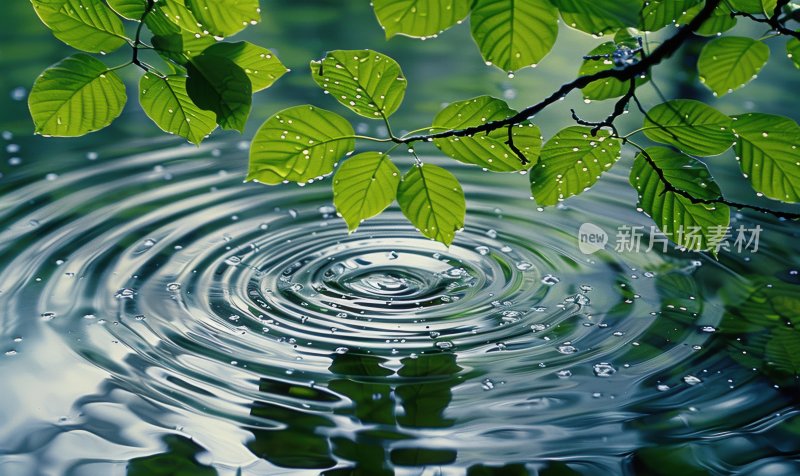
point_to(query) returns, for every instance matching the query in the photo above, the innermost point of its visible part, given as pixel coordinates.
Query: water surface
(157, 315)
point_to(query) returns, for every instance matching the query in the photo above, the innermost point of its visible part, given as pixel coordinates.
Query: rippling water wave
(243, 327)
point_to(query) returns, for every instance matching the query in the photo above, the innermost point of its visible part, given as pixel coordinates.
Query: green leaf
(766, 147)
(260, 64)
(433, 201)
(167, 103)
(299, 144)
(514, 34)
(747, 6)
(419, 18)
(731, 62)
(783, 350)
(599, 17)
(719, 21)
(768, 7)
(217, 84)
(793, 51)
(690, 126)
(657, 14)
(76, 96)
(367, 82)
(571, 162)
(130, 9)
(88, 25)
(364, 186)
(225, 18)
(696, 227)
(605, 88)
(179, 47)
(172, 17)
(489, 151)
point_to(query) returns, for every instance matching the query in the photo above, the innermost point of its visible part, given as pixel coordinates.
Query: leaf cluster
(202, 82)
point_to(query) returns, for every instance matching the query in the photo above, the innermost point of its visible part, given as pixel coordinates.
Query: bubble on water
(524, 266)
(604, 369)
(491, 233)
(173, 287)
(567, 349)
(487, 384)
(342, 350)
(444, 345)
(326, 210)
(233, 261)
(550, 280)
(662, 387)
(708, 329)
(48, 316)
(563, 374)
(691, 380)
(125, 293)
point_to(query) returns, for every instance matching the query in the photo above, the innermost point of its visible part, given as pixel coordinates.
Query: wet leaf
(364, 186)
(793, 51)
(605, 88)
(766, 147)
(419, 18)
(130, 9)
(433, 201)
(299, 144)
(571, 162)
(490, 150)
(260, 64)
(598, 17)
(87, 25)
(657, 14)
(180, 47)
(719, 21)
(731, 62)
(367, 82)
(512, 34)
(217, 84)
(689, 125)
(697, 227)
(225, 18)
(167, 103)
(76, 96)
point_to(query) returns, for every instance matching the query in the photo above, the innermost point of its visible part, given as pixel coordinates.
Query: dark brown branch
(664, 51)
(620, 108)
(668, 187)
(514, 148)
(775, 22)
(137, 41)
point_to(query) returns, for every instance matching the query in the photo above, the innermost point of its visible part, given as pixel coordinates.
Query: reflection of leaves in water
(783, 350)
(422, 387)
(669, 461)
(179, 460)
(763, 330)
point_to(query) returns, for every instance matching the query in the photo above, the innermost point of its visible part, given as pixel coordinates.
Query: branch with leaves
(305, 143)
(199, 82)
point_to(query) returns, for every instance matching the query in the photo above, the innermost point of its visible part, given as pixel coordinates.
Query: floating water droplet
(173, 287)
(550, 280)
(444, 345)
(125, 293)
(48, 316)
(604, 369)
(691, 380)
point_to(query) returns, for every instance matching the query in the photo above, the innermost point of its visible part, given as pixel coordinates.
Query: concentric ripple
(251, 308)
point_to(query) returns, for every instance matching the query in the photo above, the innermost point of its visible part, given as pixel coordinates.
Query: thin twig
(669, 187)
(664, 51)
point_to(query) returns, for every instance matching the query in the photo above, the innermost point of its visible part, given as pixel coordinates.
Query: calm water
(159, 317)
